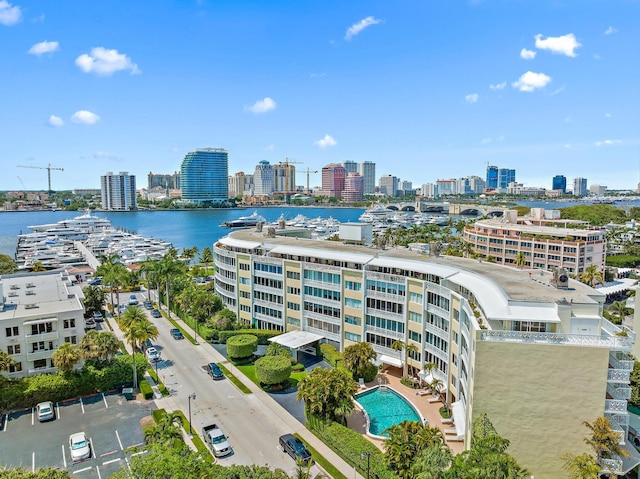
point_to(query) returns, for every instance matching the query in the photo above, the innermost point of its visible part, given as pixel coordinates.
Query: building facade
(204, 176)
(350, 166)
(241, 185)
(353, 188)
(367, 170)
(264, 179)
(428, 190)
(38, 313)
(333, 179)
(447, 187)
(388, 185)
(492, 177)
(284, 178)
(118, 192)
(559, 182)
(505, 176)
(580, 187)
(166, 182)
(537, 359)
(544, 243)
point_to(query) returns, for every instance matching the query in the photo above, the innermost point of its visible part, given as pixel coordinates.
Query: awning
(392, 361)
(296, 339)
(617, 286)
(459, 417)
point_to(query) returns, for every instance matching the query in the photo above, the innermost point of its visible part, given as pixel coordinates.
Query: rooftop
(530, 227)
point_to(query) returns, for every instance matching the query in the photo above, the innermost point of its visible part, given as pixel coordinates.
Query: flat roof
(296, 339)
(537, 228)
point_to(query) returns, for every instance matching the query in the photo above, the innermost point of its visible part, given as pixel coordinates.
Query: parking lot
(111, 423)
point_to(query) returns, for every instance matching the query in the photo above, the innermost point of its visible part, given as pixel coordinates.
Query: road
(253, 433)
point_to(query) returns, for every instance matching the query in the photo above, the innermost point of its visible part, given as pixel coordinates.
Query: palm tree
(399, 345)
(65, 357)
(94, 297)
(592, 276)
(435, 386)
(105, 345)
(5, 361)
(113, 274)
(166, 433)
(433, 462)
(619, 308)
(189, 253)
(405, 442)
(149, 270)
(357, 358)
(137, 328)
(168, 268)
(583, 466)
(206, 257)
(38, 267)
(604, 441)
(466, 249)
(87, 345)
(327, 393)
(521, 260)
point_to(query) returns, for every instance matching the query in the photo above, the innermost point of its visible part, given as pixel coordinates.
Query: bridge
(460, 209)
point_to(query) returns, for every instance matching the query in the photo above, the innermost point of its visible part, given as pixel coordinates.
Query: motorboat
(245, 221)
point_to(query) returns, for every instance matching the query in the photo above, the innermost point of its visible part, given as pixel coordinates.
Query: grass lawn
(249, 370)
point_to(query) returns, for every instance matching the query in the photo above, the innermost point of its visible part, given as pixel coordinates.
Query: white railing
(39, 355)
(397, 298)
(432, 308)
(611, 342)
(621, 363)
(267, 289)
(268, 274)
(334, 303)
(611, 465)
(268, 304)
(391, 278)
(42, 336)
(384, 332)
(322, 317)
(619, 375)
(224, 279)
(436, 330)
(326, 334)
(387, 351)
(615, 406)
(322, 285)
(441, 290)
(269, 319)
(621, 393)
(379, 313)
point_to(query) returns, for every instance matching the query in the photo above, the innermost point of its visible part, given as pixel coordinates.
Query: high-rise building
(264, 179)
(118, 192)
(333, 176)
(580, 186)
(463, 186)
(492, 176)
(166, 182)
(350, 166)
(240, 185)
(559, 183)
(367, 170)
(429, 190)
(284, 177)
(353, 188)
(598, 190)
(389, 185)
(446, 187)
(407, 187)
(505, 176)
(477, 185)
(204, 176)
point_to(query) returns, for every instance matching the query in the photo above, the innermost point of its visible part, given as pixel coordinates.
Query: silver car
(45, 411)
(79, 447)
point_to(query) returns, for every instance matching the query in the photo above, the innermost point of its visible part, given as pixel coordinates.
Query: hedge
(273, 369)
(350, 445)
(263, 335)
(242, 346)
(330, 354)
(146, 389)
(623, 261)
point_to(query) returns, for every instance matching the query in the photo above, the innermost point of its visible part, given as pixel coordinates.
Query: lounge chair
(446, 420)
(452, 438)
(451, 431)
(434, 399)
(423, 392)
(362, 384)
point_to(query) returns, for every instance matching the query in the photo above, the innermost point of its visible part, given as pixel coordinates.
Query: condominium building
(447, 187)
(580, 187)
(264, 179)
(38, 313)
(407, 187)
(204, 176)
(536, 356)
(388, 185)
(118, 191)
(505, 176)
(559, 182)
(284, 177)
(367, 170)
(598, 190)
(492, 177)
(333, 176)
(166, 182)
(353, 188)
(546, 243)
(241, 185)
(429, 190)
(350, 166)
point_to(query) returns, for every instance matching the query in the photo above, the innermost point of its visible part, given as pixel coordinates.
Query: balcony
(397, 298)
(322, 317)
(620, 393)
(45, 369)
(621, 343)
(32, 338)
(269, 319)
(268, 304)
(443, 313)
(40, 355)
(334, 337)
(333, 303)
(618, 376)
(322, 285)
(378, 313)
(615, 406)
(224, 279)
(436, 330)
(384, 332)
(391, 278)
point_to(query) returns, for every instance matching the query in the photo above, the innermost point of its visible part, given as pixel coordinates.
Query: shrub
(242, 346)
(370, 373)
(330, 354)
(158, 414)
(263, 335)
(298, 367)
(272, 370)
(146, 389)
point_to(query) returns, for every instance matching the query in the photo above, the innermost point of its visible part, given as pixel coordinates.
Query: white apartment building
(38, 312)
(263, 179)
(537, 359)
(118, 191)
(367, 170)
(546, 244)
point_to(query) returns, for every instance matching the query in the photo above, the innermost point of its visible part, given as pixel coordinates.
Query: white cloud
(527, 54)
(262, 106)
(105, 155)
(105, 62)
(531, 81)
(486, 141)
(9, 15)
(318, 75)
(563, 45)
(84, 117)
(56, 121)
(326, 141)
(568, 119)
(269, 147)
(471, 97)
(498, 86)
(607, 115)
(356, 28)
(44, 47)
(596, 56)
(610, 31)
(607, 142)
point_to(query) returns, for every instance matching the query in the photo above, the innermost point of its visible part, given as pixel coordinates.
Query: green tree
(273, 370)
(327, 393)
(150, 270)
(65, 357)
(619, 308)
(42, 473)
(603, 439)
(583, 466)
(406, 441)
(592, 275)
(113, 274)
(206, 257)
(433, 462)
(7, 265)
(38, 267)
(167, 431)
(94, 297)
(167, 269)
(358, 357)
(521, 260)
(5, 361)
(100, 346)
(189, 253)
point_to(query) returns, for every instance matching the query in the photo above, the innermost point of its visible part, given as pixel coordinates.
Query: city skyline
(425, 91)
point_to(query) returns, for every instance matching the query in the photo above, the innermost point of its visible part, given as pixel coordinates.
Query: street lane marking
(115, 451)
(93, 450)
(119, 441)
(82, 470)
(64, 458)
(33, 415)
(138, 453)
(112, 460)
(105, 401)
(6, 422)
(58, 410)
(82, 404)
(33, 462)
(98, 471)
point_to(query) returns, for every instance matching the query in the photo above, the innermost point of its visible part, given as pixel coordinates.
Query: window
(69, 323)
(40, 364)
(415, 298)
(293, 321)
(245, 280)
(353, 303)
(415, 317)
(352, 320)
(41, 328)
(293, 306)
(293, 274)
(353, 285)
(245, 294)
(15, 367)
(245, 266)
(292, 290)
(417, 337)
(12, 331)
(356, 338)
(13, 349)
(71, 339)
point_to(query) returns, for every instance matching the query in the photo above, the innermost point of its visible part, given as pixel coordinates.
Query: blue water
(184, 229)
(385, 407)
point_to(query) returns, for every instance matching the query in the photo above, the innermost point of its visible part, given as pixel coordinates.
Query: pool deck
(430, 411)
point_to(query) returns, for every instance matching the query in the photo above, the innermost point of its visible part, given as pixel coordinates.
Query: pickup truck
(216, 440)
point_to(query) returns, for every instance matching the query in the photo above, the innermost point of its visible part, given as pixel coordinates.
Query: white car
(153, 354)
(45, 411)
(79, 447)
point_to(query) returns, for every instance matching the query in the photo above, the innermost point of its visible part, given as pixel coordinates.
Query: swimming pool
(384, 408)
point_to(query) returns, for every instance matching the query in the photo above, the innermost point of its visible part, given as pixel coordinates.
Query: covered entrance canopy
(391, 361)
(296, 339)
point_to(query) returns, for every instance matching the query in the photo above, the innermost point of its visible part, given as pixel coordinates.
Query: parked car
(98, 317)
(214, 371)
(152, 354)
(155, 313)
(133, 301)
(95, 282)
(148, 304)
(89, 323)
(79, 447)
(294, 447)
(176, 333)
(122, 308)
(45, 411)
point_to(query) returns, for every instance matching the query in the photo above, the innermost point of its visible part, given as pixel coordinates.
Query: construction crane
(48, 168)
(308, 171)
(22, 183)
(287, 187)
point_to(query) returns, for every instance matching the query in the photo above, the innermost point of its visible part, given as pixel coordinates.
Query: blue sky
(425, 89)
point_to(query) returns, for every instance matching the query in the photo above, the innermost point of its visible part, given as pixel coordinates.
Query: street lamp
(191, 396)
(368, 456)
(157, 361)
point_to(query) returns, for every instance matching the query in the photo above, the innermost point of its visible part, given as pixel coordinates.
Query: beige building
(546, 241)
(38, 312)
(537, 357)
